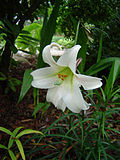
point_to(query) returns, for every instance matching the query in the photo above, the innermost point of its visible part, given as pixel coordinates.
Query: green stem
(35, 100)
(37, 96)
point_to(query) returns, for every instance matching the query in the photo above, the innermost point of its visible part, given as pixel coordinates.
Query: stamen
(62, 76)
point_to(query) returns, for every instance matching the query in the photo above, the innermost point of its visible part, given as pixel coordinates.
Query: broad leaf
(27, 79)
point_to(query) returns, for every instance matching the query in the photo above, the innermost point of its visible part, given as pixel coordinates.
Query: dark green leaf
(27, 79)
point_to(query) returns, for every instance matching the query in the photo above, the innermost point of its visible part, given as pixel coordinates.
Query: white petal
(64, 96)
(47, 56)
(69, 58)
(89, 82)
(44, 77)
(55, 95)
(56, 52)
(61, 105)
(74, 99)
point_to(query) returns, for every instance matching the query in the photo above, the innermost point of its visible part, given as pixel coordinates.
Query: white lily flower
(62, 81)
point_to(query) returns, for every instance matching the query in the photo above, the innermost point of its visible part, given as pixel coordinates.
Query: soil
(13, 115)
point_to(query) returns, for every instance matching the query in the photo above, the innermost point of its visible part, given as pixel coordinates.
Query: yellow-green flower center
(64, 75)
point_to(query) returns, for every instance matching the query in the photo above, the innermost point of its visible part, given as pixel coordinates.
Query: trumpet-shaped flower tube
(62, 81)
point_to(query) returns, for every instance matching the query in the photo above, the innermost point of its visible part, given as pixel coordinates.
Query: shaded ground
(13, 115)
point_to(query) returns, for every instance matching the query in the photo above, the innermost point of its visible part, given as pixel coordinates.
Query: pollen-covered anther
(62, 76)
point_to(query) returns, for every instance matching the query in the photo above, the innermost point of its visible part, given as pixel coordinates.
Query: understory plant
(90, 135)
(15, 137)
(85, 135)
(80, 136)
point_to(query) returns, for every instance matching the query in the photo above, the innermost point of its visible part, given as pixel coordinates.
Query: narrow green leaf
(2, 77)
(82, 40)
(47, 31)
(114, 130)
(11, 140)
(28, 131)
(12, 155)
(47, 105)
(114, 72)
(102, 64)
(3, 147)
(37, 108)
(100, 49)
(112, 158)
(20, 147)
(77, 32)
(27, 79)
(88, 156)
(104, 152)
(6, 131)
(103, 94)
(62, 136)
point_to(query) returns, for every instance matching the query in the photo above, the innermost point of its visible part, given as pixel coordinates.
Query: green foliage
(13, 15)
(113, 75)
(14, 137)
(100, 49)
(43, 106)
(101, 65)
(27, 79)
(80, 136)
(63, 41)
(82, 40)
(48, 30)
(29, 38)
(12, 82)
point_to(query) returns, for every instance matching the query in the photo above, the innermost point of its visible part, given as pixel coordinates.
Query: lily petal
(56, 52)
(55, 94)
(69, 58)
(74, 99)
(44, 77)
(89, 82)
(61, 105)
(47, 56)
(64, 96)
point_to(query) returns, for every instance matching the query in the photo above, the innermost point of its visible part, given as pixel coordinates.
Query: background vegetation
(30, 25)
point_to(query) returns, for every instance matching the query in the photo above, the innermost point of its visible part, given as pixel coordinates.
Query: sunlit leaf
(28, 131)
(12, 155)
(6, 131)
(11, 140)
(20, 147)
